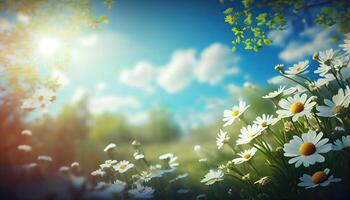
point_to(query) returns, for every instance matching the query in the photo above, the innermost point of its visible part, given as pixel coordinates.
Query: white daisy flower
(265, 121)
(107, 164)
(45, 158)
(41, 98)
(166, 156)
(298, 69)
(295, 107)
(110, 147)
(26, 132)
(341, 62)
(343, 144)
(213, 176)
(30, 165)
(232, 115)
(141, 192)
(263, 181)
(245, 156)
(319, 178)
(197, 148)
(346, 45)
(324, 80)
(144, 176)
(138, 155)
(98, 172)
(123, 166)
(334, 107)
(325, 58)
(248, 134)
(307, 149)
(24, 147)
(275, 93)
(221, 139)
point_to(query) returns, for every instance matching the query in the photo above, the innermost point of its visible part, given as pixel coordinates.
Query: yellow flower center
(337, 109)
(122, 167)
(319, 177)
(296, 107)
(299, 69)
(246, 156)
(264, 124)
(307, 148)
(235, 113)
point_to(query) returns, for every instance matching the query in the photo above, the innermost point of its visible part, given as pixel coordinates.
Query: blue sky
(176, 53)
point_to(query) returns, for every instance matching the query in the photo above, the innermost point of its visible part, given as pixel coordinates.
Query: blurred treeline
(74, 134)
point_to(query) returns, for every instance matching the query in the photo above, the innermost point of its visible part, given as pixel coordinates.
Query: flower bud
(279, 67)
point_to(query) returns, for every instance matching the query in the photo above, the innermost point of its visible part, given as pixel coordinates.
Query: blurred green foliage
(252, 20)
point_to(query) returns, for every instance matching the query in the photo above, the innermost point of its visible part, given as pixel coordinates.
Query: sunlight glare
(48, 46)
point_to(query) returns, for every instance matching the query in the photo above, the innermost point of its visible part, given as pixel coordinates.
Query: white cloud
(278, 37)
(101, 86)
(88, 40)
(211, 67)
(234, 89)
(276, 80)
(178, 73)
(111, 103)
(311, 40)
(79, 94)
(214, 64)
(141, 76)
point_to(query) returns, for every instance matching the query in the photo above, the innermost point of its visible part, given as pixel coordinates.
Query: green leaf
(267, 41)
(228, 11)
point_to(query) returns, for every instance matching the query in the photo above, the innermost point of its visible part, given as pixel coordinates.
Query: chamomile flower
(298, 69)
(141, 192)
(24, 148)
(41, 98)
(325, 58)
(138, 155)
(144, 176)
(307, 149)
(319, 178)
(221, 139)
(107, 164)
(325, 80)
(334, 107)
(295, 107)
(98, 172)
(275, 93)
(27, 133)
(172, 162)
(343, 144)
(166, 156)
(265, 121)
(263, 181)
(248, 134)
(110, 147)
(123, 166)
(232, 115)
(245, 156)
(346, 45)
(213, 176)
(45, 158)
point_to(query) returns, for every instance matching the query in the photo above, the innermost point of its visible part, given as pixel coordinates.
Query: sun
(47, 46)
